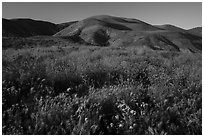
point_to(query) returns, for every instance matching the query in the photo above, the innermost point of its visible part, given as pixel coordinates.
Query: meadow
(84, 89)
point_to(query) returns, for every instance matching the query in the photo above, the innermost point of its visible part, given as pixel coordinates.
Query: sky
(186, 15)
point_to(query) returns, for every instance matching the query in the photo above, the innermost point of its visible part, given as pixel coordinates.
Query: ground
(79, 89)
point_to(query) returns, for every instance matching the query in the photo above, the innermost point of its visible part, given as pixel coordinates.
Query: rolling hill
(107, 30)
(64, 25)
(196, 31)
(170, 28)
(30, 27)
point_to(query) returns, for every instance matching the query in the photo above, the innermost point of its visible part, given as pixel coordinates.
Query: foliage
(107, 90)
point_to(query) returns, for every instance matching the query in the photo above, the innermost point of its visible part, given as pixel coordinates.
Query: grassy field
(100, 90)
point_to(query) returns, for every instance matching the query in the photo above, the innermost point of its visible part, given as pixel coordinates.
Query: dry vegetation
(100, 90)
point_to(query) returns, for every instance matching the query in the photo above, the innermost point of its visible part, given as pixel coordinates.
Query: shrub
(107, 90)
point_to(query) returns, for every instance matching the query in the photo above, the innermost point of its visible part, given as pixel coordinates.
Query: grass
(100, 90)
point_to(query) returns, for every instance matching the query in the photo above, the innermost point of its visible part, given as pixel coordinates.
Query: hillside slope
(107, 30)
(29, 27)
(169, 27)
(196, 31)
(104, 30)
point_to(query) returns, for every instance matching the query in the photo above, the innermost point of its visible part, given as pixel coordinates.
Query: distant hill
(105, 21)
(196, 31)
(29, 27)
(170, 28)
(64, 25)
(107, 30)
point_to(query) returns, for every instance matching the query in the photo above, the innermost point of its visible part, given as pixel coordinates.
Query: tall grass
(109, 90)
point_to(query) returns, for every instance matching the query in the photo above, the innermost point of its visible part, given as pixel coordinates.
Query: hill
(196, 31)
(30, 27)
(107, 30)
(64, 25)
(27, 27)
(169, 27)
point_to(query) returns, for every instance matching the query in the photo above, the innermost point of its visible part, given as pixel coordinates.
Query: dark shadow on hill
(195, 40)
(165, 40)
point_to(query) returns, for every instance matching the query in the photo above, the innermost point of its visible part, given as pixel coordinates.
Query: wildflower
(38, 79)
(12, 88)
(165, 101)
(68, 89)
(142, 113)
(130, 127)
(120, 125)
(132, 111)
(42, 80)
(32, 89)
(117, 117)
(75, 95)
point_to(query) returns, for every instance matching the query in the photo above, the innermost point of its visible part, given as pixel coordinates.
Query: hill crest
(105, 30)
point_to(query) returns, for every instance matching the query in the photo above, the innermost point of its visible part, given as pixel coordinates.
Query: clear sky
(185, 15)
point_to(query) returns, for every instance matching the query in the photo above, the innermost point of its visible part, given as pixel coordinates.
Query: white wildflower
(117, 117)
(68, 89)
(120, 125)
(130, 127)
(132, 111)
